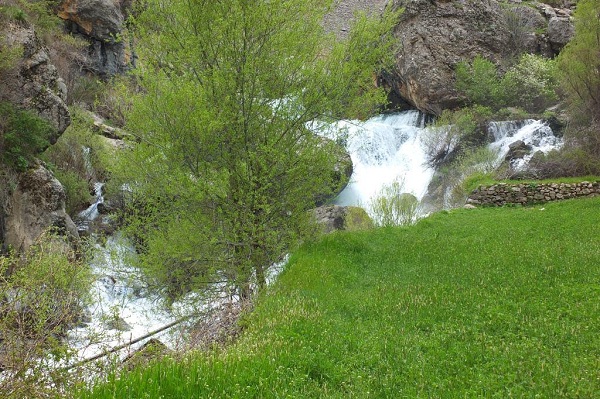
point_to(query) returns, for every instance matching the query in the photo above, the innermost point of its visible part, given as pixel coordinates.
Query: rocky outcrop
(436, 35)
(530, 193)
(35, 84)
(102, 23)
(36, 204)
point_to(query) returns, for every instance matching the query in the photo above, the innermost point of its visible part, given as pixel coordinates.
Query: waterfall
(383, 149)
(389, 147)
(535, 134)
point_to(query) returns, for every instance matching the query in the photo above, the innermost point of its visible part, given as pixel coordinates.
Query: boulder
(36, 205)
(102, 23)
(560, 32)
(436, 35)
(35, 84)
(517, 150)
(336, 217)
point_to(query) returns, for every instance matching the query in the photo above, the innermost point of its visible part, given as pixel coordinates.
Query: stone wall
(530, 193)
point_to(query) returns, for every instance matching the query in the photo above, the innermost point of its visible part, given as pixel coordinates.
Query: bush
(393, 207)
(41, 295)
(579, 157)
(529, 84)
(480, 82)
(23, 135)
(453, 132)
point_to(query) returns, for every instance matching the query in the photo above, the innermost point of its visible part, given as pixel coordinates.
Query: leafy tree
(225, 167)
(579, 62)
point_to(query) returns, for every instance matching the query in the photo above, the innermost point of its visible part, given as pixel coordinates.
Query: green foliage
(23, 135)
(469, 303)
(224, 168)
(394, 207)
(579, 64)
(530, 84)
(41, 296)
(480, 82)
(39, 13)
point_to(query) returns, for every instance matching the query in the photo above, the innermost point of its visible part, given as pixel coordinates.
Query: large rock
(102, 23)
(35, 84)
(36, 205)
(436, 35)
(336, 217)
(560, 32)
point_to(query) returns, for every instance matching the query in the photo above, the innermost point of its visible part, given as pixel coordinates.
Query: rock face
(36, 85)
(36, 204)
(436, 35)
(102, 23)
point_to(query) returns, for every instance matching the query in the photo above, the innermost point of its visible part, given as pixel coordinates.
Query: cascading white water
(389, 147)
(383, 149)
(534, 133)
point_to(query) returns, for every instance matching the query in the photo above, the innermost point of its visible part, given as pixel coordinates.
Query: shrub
(480, 82)
(23, 135)
(393, 207)
(41, 296)
(529, 84)
(453, 132)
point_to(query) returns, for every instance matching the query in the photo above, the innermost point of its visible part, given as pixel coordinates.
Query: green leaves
(530, 84)
(224, 168)
(579, 63)
(22, 136)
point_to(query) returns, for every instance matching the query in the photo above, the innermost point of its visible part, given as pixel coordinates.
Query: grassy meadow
(496, 302)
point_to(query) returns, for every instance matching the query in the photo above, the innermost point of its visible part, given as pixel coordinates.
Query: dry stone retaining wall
(530, 193)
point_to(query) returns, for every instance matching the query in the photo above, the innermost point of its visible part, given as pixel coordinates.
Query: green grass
(498, 303)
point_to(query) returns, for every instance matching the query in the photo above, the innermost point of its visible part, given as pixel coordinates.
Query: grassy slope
(472, 303)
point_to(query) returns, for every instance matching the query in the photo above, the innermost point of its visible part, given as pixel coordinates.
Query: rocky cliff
(438, 34)
(32, 201)
(101, 23)
(34, 83)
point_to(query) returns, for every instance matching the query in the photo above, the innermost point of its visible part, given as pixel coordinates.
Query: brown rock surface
(36, 205)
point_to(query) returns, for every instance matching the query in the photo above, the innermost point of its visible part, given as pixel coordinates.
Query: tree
(225, 167)
(579, 62)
